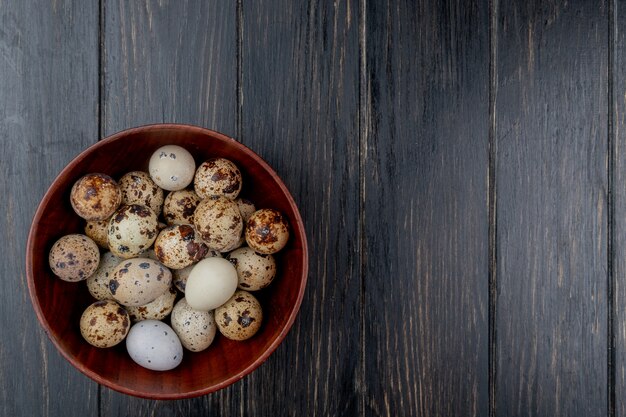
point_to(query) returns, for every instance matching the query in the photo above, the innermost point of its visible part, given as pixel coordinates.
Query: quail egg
(139, 281)
(138, 188)
(155, 310)
(98, 283)
(240, 317)
(219, 222)
(104, 324)
(98, 231)
(172, 167)
(154, 345)
(195, 329)
(74, 257)
(132, 230)
(267, 231)
(217, 176)
(179, 246)
(246, 208)
(95, 196)
(179, 206)
(255, 271)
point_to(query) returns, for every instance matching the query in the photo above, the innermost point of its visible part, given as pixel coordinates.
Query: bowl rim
(188, 394)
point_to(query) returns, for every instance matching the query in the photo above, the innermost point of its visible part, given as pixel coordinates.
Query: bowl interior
(60, 304)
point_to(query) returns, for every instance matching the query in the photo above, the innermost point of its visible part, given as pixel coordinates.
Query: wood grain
(169, 61)
(425, 184)
(300, 112)
(551, 173)
(48, 113)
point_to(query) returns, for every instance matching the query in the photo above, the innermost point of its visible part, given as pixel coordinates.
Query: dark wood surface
(458, 166)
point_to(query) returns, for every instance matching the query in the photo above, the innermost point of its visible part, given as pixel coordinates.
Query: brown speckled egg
(98, 231)
(95, 197)
(132, 230)
(254, 270)
(139, 281)
(219, 222)
(138, 188)
(240, 317)
(179, 246)
(104, 324)
(196, 329)
(217, 176)
(74, 257)
(179, 206)
(267, 231)
(98, 283)
(155, 310)
(180, 276)
(246, 208)
(172, 167)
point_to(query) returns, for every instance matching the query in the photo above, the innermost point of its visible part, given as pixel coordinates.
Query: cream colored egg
(138, 188)
(210, 284)
(255, 271)
(240, 317)
(179, 207)
(98, 283)
(180, 276)
(104, 324)
(74, 257)
(132, 230)
(172, 167)
(195, 328)
(139, 281)
(155, 310)
(219, 222)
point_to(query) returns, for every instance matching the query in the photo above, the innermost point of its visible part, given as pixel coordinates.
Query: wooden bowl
(59, 304)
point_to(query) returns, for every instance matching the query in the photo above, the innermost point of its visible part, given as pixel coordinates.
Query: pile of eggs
(198, 250)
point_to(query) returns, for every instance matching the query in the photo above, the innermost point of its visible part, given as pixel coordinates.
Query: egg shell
(240, 317)
(180, 276)
(95, 196)
(139, 281)
(219, 222)
(156, 310)
(98, 283)
(179, 207)
(132, 230)
(267, 231)
(218, 176)
(98, 231)
(74, 257)
(196, 329)
(210, 284)
(104, 324)
(246, 208)
(154, 345)
(179, 246)
(172, 167)
(138, 188)
(255, 271)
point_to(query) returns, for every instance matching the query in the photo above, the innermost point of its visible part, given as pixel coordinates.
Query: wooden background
(458, 165)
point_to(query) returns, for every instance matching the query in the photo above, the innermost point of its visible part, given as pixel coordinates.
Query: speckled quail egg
(255, 271)
(217, 176)
(211, 282)
(196, 329)
(240, 317)
(179, 206)
(74, 257)
(138, 188)
(179, 246)
(98, 231)
(180, 276)
(155, 310)
(95, 196)
(172, 167)
(132, 230)
(104, 324)
(139, 281)
(267, 231)
(219, 222)
(154, 345)
(246, 208)
(98, 283)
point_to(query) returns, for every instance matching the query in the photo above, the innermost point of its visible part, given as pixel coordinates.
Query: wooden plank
(300, 113)
(168, 61)
(551, 173)
(48, 114)
(425, 180)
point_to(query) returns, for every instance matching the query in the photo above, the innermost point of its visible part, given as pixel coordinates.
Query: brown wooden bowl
(59, 304)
